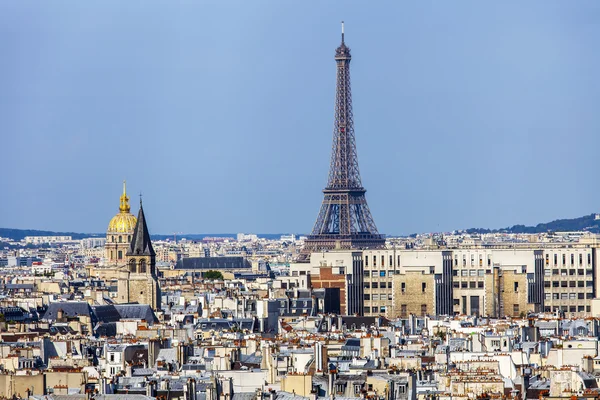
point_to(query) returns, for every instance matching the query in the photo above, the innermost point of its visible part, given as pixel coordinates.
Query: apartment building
(501, 280)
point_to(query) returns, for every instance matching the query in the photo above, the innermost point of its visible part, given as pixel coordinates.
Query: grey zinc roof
(136, 311)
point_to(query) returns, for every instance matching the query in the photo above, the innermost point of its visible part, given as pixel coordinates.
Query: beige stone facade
(412, 294)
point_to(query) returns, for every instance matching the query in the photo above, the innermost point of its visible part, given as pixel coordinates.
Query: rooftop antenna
(342, 31)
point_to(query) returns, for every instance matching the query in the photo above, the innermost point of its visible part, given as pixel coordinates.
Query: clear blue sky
(467, 113)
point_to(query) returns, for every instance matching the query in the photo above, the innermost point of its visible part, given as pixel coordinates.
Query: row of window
(471, 272)
(378, 297)
(568, 296)
(565, 272)
(377, 274)
(568, 309)
(121, 239)
(571, 284)
(374, 258)
(572, 259)
(467, 285)
(375, 309)
(378, 285)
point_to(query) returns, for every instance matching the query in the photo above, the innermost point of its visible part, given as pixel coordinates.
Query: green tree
(213, 275)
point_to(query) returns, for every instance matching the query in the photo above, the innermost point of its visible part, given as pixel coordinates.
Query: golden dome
(124, 221)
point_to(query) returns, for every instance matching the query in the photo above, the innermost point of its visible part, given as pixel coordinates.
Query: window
(555, 284)
(142, 266)
(463, 285)
(563, 284)
(572, 296)
(516, 286)
(472, 285)
(403, 287)
(366, 261)
(564, 259)
(481, 272)
(547, 259)
(367, 285)
(423, 309)
(403, 310)
(423, 287)
(366, 274)
(572, 258)
(391, 261)
(366, 297)
(382, 261)
(455, 284)
(473, 272)
(589, 258)
(375, 297)
(120, 239)
(479, 285)
(374, 274)
(131, 265)
(357, 389)
(374, 261)
(546, 284)
(389, 296)
(383, 285)
(382, 309)
(382, 274)
(564, 296)
(367, 309)
(390, 273)
(464, 272)
(112, 357)
(572, 284)
(375, 285)
(515, 309)
(572, 271)
(580, 258)
(120, 254)
(555, 259)
(547, 296)
(489, 261)
(547, 272)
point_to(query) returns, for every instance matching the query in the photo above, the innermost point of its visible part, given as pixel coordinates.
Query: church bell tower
(138, 280)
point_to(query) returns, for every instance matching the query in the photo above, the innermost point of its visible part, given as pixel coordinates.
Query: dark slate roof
(136, 311)
(141, 245)
(351, 345)
(106, 313)
(70, 309)
(213, 263)
(106, 330)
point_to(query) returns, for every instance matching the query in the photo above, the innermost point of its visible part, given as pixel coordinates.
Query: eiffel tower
(344, 221)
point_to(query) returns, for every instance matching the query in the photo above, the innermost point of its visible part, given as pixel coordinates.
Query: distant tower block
(344, 221)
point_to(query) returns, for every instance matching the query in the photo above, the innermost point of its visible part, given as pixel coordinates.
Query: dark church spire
(140, 242)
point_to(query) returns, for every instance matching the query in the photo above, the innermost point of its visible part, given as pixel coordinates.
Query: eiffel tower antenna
(344, 221)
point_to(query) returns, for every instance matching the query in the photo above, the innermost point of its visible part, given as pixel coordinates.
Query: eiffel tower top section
(343, 172)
